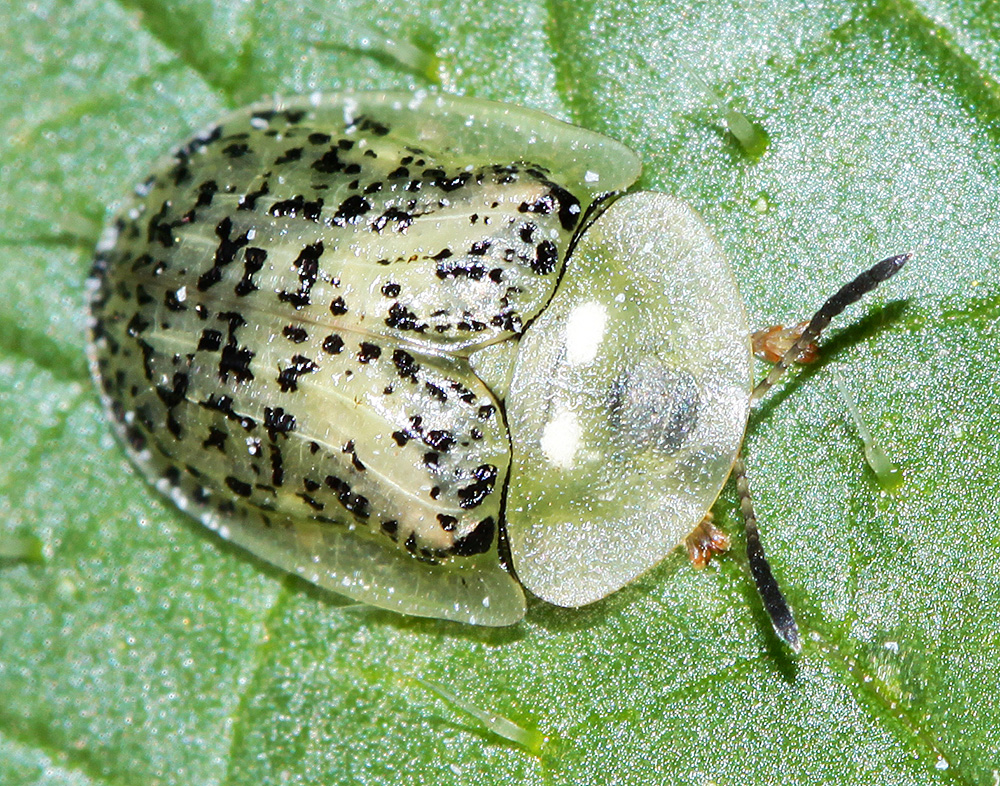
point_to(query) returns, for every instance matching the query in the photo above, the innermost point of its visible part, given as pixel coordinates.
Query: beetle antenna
(774, 601)
(845, 296)
(767, 586)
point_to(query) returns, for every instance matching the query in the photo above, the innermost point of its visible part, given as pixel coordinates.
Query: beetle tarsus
(705, 541)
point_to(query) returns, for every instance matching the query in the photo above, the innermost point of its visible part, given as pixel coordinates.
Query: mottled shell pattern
(290, 314)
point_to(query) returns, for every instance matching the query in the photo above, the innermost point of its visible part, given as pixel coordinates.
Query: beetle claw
(705, 541)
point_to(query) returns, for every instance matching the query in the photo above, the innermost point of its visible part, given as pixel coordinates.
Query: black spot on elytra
(310, 501)
(210, 340)
(329, 163)
(235, 360)
(338, 307)
(292, 154)
(453, 183)
(355, 461)
(158, 230)
(277, 470)
(351, 209)
(253, 261)
(223, 404)
(401, 318)
(148, 353)
(307, 265)
(406, 366)
(435, 392)
(236, 149)
(237, 486)
(249, 200)
(557, 199)
(460, 268)
(225, 253)
(440, 440)
(333, 344)
(369, 352)
(546, 258)
(277, 421)
(354, 503)
(473, 495)
(294, 333)
(366, 124)
(172, 475)
(206, 192)
(400, 218)
(216, 439)
(137, 325)
(298, 206)
(175, 394)
(288, 377)
(478, 541)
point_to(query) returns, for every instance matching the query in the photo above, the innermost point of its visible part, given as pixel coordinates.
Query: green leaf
(145, 650)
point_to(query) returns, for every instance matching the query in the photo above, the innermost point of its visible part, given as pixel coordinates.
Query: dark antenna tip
(770, 592)
(887, 268)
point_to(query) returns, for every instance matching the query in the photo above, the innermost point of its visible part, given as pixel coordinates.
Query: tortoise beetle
(380, 339)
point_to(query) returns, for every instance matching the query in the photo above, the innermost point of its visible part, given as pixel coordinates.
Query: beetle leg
(705, 541)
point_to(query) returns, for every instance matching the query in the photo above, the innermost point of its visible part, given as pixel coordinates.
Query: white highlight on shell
(561, 438)
(590, 177)
(584, 332)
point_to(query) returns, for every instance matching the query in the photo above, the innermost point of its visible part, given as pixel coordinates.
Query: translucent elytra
(290, 313)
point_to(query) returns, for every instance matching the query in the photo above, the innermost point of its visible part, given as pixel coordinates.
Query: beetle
(422, 350)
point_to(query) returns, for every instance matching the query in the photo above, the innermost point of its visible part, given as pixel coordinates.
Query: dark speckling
(237, 486)
(333, 344)
(369, 352)
(295, 333)
(286, 281)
